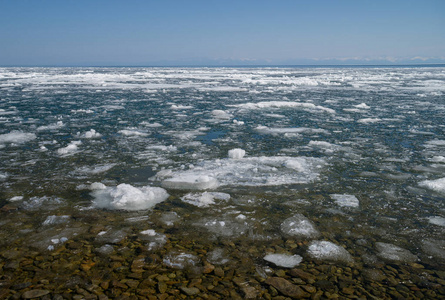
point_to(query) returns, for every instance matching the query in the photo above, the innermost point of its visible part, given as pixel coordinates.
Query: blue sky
(96, 32)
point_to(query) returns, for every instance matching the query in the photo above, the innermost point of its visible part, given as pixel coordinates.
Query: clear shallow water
(372, 137)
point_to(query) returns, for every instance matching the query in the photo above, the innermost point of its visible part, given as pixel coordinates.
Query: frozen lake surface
(356, 156)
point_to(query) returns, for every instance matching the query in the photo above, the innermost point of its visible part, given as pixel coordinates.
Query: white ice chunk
(204, 199)
(16, 198)
(54, 126)
(52, 220)
(369, 120)
(132, 132)
(191, 182)
(221, 114)
(325, 250)
(128, 197)
(237, 153)
(435, 248)
(395, 253)
(217, 256)
(299, 226)
(345, 200)
(236, 122)
(250, 171)
(17, 137)
(436, 220)
(149, 232)
(437, 185)
(284, 104)
(97, 186)
(363, 106)
(284, 260)
(293, 130)
(70, 149)
(180, 260)
(91, 134)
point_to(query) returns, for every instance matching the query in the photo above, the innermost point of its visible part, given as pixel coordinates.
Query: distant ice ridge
(204, 199)
(251, 171)
(284, 260)
(284, 104)
(127, 197)
(345, 200)
(437, 185)
(17, 137)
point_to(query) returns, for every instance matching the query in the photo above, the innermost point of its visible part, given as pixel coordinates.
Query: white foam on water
(284, 104)
(284, 260)
(437, 185)
(16, 137)
(70, 149)
(299, 226)
(180, 260)
(345, 200)
(236, 153)
(250, 171)
(394, 253)
(53, 220)
(437, 220)
(204, 199)
(127, 197)
(325, 250)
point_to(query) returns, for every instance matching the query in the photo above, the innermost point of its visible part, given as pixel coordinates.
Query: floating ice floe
(437, 185)
(54, 126)
(284, 104)
(345, 200)
(435, 248)
(204, 199)
(91, 134)
(112, 236)
(362, 106)
(70, 149)
(284, 260)
(127, 197)
(16, 137)
(16, 199)
(299, 226)
(53, 220)
(236, 153)
(217, 257)
(298, 130)
(436, 220)
(369, 120)
(132, 132)
(325, 250)
(250, 171)
(191, 182)
(180, 260)
(155, 240)
(395, 253)
(221, 114)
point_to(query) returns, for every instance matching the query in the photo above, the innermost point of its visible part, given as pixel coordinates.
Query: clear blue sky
(183, 32)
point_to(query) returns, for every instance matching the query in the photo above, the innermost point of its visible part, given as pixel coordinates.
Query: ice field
(349, 160)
